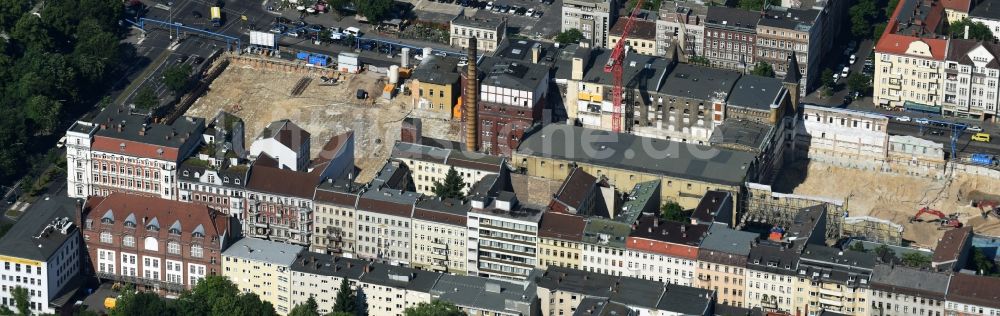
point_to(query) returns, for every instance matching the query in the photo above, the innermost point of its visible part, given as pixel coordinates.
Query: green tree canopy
(570, 36)
(763, 69)
(862, 14)
(672, 211)
(309, 308)
(142, 303)
(44, 112)
(977, 30)
(858, 82)
(146, 99)
(756, 5)
(213, 296)
(827, 78)
(347, 299)
(916, 260)
(176, 78)
(374, 10)
(434, 308)
(451, 187)
(857, 246)
(21, 301)
(983, 264)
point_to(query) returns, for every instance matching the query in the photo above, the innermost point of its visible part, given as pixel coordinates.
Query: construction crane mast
(614, 66)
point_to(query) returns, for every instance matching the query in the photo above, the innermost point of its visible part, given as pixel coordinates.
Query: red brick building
(157, 244)
(730, 37)
(511, 100)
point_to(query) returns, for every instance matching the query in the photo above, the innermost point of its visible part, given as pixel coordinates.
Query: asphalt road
(965, 146)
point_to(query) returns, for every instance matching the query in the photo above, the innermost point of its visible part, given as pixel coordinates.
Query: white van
(353, 31)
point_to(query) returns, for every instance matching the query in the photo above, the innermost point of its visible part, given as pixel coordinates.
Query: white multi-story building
(593, 18)
(383, 225)
(842, 137)
(439, 241)
(41, 254)
(971, 76)
(503, 237)
(217, 175)
(319, 276)
(972, 295)
(430, 164)
(909, 57)
(264, 268)
(122, 152)
(901, 290)
(389, 290)
(683, 23)
(488, 32)
(285, 142)
(664, 251)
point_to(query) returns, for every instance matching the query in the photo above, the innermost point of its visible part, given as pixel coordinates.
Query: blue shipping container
(982, 159)
(302, 56)
(317, 60)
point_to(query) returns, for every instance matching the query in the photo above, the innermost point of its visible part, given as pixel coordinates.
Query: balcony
(826, 303)
(833, 293)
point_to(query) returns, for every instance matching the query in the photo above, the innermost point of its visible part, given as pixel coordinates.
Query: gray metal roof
(400, 277)
(485, 294)
(628, 291)
(720, 16)
(772, 257)
(800, 20)
(511, 74)
(630, 152)
(329, 265)
(520, 49)
(755, 92)
(985, 10)
(700, 83)
(639, 71)
(600, 231)
(901, 277)
(437, 70)
(179, 132)
(724, 239)
(740, 133)
(26, 239)
(478, 22)
(264, 251)
(685, 300)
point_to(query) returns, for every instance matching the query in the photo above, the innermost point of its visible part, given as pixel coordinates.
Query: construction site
(924, 208)
(322, 101)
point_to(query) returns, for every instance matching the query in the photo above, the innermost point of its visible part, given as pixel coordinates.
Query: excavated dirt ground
(896, 197)
(261, 96)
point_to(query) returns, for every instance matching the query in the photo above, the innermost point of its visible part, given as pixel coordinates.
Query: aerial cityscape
(505, 157)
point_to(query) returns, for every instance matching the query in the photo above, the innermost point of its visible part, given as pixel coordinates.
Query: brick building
(511, 99)
(730, 37)
(156, 244)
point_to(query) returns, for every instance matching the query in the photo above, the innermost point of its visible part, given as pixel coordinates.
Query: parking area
(530, 18)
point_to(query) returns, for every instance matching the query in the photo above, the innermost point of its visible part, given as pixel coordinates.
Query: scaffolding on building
(874, 230)
(763, 205)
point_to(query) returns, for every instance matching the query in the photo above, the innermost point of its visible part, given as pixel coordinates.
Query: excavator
(987, 207)
(947, 221)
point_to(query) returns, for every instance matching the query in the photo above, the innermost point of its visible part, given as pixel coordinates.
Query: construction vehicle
(216, 16)
(614, 66)
(946, 221)
(987, 207)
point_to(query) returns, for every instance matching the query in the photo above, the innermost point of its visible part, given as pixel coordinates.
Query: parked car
(521, 11)
(903, 118)
(936, 132)
(315, 28)
(531, 12)
(853, 58)
(462, 63)
(981, 137)
(923, 121)
(440, 53)
(836, 76)
(940, 124)
(489, 6)
(537, 14)
(974, 128)
(512, 10)
(845, 72)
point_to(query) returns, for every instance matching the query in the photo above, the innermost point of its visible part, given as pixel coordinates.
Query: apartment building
(489, 32)
(280, 199)
(263, 267)
(588, 99)
(479, 296)
(383, 225)
(334, 219)
(901, 290)
(439, 241)
(560, 238)
(41, 254)
(773, 264)
(722, 259)
(642, 38)
(123, 152)
(725, 171)
(831, 279)
(842, 137)
(972, 295)
(664, 251)
(562, 290)
(953, 249)
(511, 100)
(285, 142)
(155, 244)
(318, 276)
(216, 176)
(683, 23)
(593, 18)
(984, 14)
(604, 238)
(389, 290)
(970, 79)
(731, 37)
(691, 103)
(782, 32)
(430, 164)
(436, 83)
(909, 56)
(957, 10)
(503, 237)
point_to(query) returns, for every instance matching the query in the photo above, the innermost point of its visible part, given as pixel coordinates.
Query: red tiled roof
(957, 5)
(975, 289)
(166, 212)
(132, 148)
(897, 44)
(561, 226)
(578, 186)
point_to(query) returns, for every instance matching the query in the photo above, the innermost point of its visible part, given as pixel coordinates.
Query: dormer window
(152, 228)
(236, 181)
(185, 173)
(175, 231)
(129, 224)
(225, 179)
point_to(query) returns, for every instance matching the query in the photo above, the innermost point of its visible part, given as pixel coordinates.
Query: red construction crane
(614, 66)
(987, 207)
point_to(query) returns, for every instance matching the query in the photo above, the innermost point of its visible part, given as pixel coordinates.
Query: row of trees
(54, 64)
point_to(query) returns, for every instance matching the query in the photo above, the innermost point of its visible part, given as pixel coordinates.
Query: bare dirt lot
(897, 198)
(261, 96)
